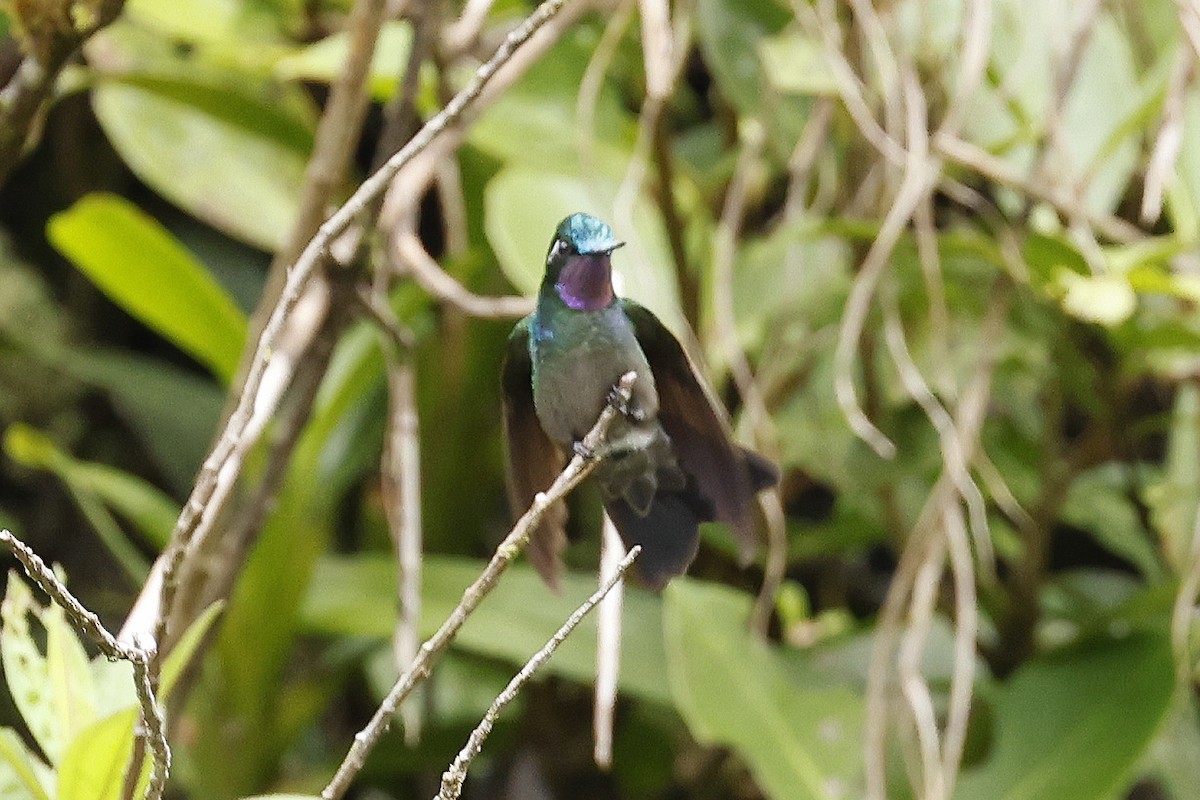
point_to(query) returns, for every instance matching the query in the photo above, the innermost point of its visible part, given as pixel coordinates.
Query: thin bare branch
(452, 780)
(433, 279)
(971, 156)
(574, 473)
(31, 87)
(1161, 166)
(87, 623)
(316, 253)
(401, 468)
(920, 175)
(968, 421)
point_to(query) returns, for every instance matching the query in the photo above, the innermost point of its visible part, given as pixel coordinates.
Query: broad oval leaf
(146, 271)
(801, 742)
(1072, 725)
(1096, 142)
(234, 161)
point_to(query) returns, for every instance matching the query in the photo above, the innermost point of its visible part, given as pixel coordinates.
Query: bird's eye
(562, 247)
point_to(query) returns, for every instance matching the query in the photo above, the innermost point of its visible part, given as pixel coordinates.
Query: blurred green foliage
(136, 239)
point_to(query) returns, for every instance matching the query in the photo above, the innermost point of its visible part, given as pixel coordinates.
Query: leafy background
(1048, 275)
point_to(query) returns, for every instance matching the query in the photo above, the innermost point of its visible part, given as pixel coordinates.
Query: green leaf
(355, 596)
(114, 686)
(1099, 501)
(1183, 199)
(523, 205)
(730, 34)
(94, 765)
(173, 412)
(151, 511)
(795, 64)
(1097, 142)
(1173, 497)
(23, 776)
(195, 20)
(234, 161)
(324, 60)
(138, 264)
(181, 654)
(72, 690)
(54, 692)
(732, 688)
(1104, 299)
(535, 121)
(1071, 725)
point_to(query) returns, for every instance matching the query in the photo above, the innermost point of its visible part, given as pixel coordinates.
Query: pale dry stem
(234, 439)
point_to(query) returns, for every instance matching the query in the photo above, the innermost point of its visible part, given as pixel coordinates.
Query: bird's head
(579, 264)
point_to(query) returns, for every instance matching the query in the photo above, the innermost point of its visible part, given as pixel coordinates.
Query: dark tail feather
(669, 534)
(763, 474)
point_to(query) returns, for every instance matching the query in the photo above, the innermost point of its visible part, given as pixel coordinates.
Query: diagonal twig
(193, 518)
(574, 473)
(452, 779)
(86, 622)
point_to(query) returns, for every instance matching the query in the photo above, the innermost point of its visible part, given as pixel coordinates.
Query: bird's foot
(583, 451)
(625, 406)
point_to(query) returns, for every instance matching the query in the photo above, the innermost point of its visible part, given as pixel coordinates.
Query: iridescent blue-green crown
(587, 234)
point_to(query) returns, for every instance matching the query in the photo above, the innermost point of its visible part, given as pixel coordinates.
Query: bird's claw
(583, 451)
(624, 405)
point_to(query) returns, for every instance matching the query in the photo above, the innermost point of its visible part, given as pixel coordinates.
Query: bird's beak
(614, 247)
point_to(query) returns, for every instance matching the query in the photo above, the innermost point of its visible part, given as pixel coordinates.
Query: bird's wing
(532, 460)
(699, 432)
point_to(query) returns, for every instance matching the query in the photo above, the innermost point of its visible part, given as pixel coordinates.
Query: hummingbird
(668, 461)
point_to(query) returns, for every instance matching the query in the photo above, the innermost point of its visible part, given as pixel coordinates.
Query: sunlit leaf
(93, 768)
(25, 670)
(23, 776)
(187, 19)
(1104, 299)
(145, 270)
(152, 512)
(1097, 132)
(325, 60)
(538, 120)
(795, 64)
(179, 659)
(53, 691)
